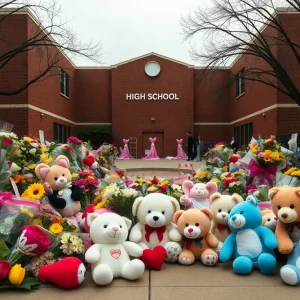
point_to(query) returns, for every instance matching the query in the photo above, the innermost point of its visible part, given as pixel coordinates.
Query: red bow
(89, 209)
(221, 228)
(159, 230)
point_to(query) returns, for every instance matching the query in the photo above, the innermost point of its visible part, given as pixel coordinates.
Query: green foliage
(3, 250)
(95, 134)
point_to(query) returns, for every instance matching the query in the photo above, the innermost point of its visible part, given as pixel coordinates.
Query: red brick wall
(14, 74)
(45, 94)
(131, 118)
(16, 116)
(93, 95)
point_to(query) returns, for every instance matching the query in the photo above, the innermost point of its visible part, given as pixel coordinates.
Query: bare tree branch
(51, 37)
(251, 28)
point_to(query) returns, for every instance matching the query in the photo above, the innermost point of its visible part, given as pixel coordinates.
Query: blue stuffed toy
(251, 243)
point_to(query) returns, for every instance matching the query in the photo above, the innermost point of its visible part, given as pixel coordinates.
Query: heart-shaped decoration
(154, 259)
(115, 253)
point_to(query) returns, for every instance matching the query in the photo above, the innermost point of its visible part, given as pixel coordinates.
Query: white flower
(109, 192)
(32, 151)
(14, 168)
(152, 188)
(35, 145)
(256, 193)
(176, 187)
(127, 193)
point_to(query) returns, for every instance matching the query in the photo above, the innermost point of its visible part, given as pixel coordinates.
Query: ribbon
(222, 228)
(290, 227)
(159, 231)
(257, 170)
(189, 242)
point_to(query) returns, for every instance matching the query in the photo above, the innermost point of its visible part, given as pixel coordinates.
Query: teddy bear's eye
(55, 178)
(269, 220)
(292, 206)
(186, 225)
(63, 174)
(219, 210)
(197, 224)
(120, 226)
(149, 211)
(279, 207)
(229, 211)
(163, 212)
(105, 226)
(241, 212)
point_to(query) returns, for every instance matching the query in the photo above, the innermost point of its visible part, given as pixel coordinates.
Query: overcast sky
(130, 28)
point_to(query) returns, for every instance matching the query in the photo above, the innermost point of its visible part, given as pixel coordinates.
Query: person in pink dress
(152, 154)
(125, 152)
(180, 152)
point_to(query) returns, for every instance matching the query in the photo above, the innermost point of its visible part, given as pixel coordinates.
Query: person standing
(190, 146)
(233, 145)
(199, 143)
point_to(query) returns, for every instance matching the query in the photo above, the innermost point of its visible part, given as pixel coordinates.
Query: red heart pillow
(154, 259)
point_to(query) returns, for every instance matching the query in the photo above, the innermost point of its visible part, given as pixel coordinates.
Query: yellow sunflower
(56, 228)
(35, 191)
(290, 170)
(296, 173)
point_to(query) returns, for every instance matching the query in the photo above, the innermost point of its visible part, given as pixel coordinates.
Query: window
(64, 83)
(61, 132)
(240, 83)
(243, 134)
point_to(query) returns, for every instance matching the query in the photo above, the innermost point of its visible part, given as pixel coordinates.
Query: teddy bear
(286, 206)
(251, 243)
(199, 243)
(109, 255)
(269, 219)
(155, 232)
(197, 195)
(63, 196)
(221, 206)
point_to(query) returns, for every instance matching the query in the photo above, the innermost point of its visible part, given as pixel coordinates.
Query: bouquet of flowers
(202, 176)
(88, 182)
(78, 152)
(71, 244)
(52, 222)
(219, 155)
(109, 152)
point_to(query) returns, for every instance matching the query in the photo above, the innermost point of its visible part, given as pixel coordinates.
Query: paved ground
(173, 281)
(160, 168)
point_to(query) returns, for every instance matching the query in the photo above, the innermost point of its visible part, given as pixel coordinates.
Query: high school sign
(152, 96)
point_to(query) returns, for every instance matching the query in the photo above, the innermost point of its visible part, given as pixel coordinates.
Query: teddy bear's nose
(61, 180)
(115, 228)
(275, 219)
(155, 218)
(223, 215)
(190, 230)
(284, 216)
(233, 218)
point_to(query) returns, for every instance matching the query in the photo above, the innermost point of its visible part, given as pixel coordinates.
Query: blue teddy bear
(251, 243)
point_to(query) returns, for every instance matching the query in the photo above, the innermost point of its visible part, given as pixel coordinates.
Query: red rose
(121, 174)
(233, 159)
(194, 174)
(33, 241)
(6, 142)
(163, 188)
(155, 180)
(271, 142)
(5, 267)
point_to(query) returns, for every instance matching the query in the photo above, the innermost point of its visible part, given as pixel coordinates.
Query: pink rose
(33, 241)
(215, 159)
(261, 154)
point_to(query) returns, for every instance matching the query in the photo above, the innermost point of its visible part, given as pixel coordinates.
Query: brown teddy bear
(63, 196)
(198, 243)
(221, 206)
(286, 206)
(269, 219)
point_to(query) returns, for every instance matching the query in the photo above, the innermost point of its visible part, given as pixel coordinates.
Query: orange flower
(19, 178)
(59, 220)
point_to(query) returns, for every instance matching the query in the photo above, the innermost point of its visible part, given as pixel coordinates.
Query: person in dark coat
(191, 144)
(234, 145)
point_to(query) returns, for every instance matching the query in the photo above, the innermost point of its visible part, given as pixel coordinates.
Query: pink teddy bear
(197, 195)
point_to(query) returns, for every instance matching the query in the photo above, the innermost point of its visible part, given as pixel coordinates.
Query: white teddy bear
(110, 253)
(155, 228)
